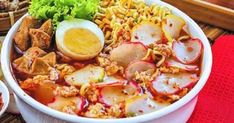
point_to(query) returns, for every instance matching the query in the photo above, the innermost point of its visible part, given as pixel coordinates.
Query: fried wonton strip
(22, 39)
(47, 27)
(40, 38)
(50, 58)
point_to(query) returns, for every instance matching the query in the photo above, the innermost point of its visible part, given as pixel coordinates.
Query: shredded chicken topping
(115, 111)
(110, 67)
(92, 94)
(96, 111)
(70, 108)
(172, 70)
(145, 76)
(65, 91)
(65, 69)
(162, 49)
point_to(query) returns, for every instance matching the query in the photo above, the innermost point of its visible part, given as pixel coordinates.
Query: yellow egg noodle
(117, 15)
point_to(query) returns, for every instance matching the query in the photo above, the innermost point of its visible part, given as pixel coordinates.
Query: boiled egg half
(79, 39)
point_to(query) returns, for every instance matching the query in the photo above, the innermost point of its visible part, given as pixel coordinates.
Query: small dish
(5, 97)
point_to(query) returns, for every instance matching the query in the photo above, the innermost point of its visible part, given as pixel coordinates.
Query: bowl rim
(142, 118)
(5, 97)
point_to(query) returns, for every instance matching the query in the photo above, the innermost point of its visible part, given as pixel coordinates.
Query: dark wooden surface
(206, 12)
(211, 32)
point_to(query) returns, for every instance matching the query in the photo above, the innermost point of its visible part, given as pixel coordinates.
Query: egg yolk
(82, 41)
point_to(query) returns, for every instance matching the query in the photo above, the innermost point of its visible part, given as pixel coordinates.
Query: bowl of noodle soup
(118, 23)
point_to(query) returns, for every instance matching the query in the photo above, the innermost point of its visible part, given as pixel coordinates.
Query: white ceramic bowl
(30, 114)
(205, 72)
(5, 97)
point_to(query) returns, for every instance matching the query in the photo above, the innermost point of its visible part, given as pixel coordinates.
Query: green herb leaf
(59, 10)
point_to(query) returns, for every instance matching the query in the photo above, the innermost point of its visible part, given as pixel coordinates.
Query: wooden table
(211, 32)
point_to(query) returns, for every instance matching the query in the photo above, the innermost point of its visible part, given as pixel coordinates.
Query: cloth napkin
(216, 100)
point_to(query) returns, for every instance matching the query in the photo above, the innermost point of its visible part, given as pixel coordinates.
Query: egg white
(66, 25)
